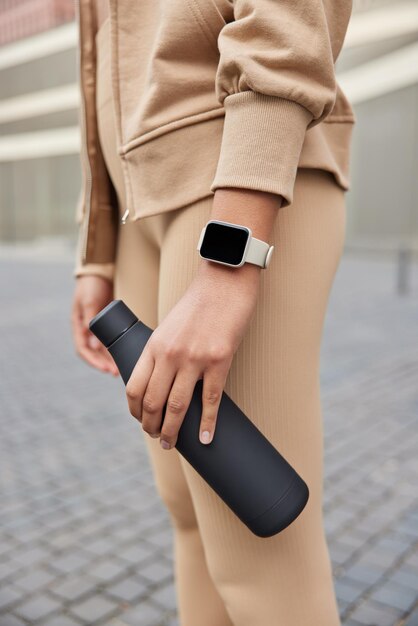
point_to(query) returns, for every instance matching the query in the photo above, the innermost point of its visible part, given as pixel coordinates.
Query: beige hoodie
(208, 94)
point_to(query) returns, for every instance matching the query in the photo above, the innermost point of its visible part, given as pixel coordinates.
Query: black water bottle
(240, 464)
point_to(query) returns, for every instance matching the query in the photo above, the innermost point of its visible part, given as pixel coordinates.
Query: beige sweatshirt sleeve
(276, 79)
(105, 270)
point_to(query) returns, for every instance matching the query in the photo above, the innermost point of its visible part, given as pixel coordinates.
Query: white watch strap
(258, 252)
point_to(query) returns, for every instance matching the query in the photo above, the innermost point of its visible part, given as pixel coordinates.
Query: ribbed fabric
(225, 575)
(262, 140)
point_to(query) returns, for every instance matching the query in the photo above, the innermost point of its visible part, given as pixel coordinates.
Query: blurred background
(84, 538)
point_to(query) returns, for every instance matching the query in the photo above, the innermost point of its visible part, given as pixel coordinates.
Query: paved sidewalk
(84, 538)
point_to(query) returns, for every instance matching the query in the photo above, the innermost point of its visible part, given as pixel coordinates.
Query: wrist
(252, 208)
(247, 273)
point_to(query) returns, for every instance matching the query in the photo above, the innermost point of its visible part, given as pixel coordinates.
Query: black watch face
(224, 243)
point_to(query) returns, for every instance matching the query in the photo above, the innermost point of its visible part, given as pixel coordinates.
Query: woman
(219, 109)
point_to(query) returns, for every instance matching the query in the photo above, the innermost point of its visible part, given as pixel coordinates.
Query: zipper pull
(125, 216)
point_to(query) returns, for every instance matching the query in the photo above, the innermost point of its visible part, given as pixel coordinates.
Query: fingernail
(205, 436)
(165, 444)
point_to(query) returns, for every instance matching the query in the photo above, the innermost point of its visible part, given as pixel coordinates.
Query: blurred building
(378, 70)
(39, 136)
(23, 18)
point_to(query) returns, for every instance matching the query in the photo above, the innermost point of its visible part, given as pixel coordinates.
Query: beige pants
(225, 575)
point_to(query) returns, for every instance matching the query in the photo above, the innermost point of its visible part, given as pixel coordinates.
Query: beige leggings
(224, 574)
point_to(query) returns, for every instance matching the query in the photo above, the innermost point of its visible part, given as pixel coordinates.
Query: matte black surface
(224, 243)
(112, 321)
(240, 464)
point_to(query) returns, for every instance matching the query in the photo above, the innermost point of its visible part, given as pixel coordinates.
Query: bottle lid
(112, 321)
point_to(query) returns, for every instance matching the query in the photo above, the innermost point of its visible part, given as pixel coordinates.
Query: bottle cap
(112, 321)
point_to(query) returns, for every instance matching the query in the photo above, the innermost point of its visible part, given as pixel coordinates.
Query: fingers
(178, 402)
(155, 397)
(88, 347)
(214, 380)
(159, 384)
(82, 341)
(99, 349)
(137, 383)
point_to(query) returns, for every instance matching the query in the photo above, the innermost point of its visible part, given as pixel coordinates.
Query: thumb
(89, 311)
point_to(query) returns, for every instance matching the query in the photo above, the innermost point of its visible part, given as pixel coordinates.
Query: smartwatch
(233, 245)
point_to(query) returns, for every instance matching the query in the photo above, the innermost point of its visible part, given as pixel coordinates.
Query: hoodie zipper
(85, 154)
(84, 151)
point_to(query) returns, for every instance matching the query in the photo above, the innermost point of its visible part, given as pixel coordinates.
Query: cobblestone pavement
(84, 538)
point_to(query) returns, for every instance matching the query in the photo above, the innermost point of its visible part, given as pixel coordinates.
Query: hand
(92, 293)
(197, 339)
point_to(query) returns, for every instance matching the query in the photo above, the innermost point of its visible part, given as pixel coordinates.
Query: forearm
(252, 208)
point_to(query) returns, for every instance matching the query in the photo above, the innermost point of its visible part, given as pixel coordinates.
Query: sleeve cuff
(105, 270)
(261, 143)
